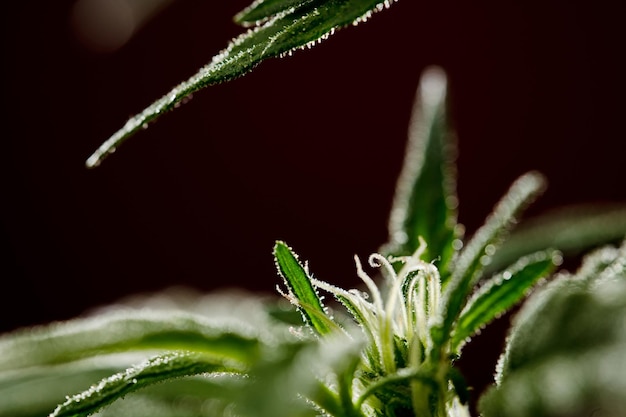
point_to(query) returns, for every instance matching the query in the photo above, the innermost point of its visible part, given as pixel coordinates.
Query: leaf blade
(424, 202)
(261, 10)
(157, 369)
(470, 263)
(297, 279)
(287, 31)
(500, 293)
(123, 331)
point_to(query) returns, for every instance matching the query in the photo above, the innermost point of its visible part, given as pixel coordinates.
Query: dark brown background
(304, 149)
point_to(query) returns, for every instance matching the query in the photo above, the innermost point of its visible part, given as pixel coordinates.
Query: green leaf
(291, 29)
(261, 10)
(192, 396)
(572, 230)
(36, 391)
(476, 254)
(425, 198)
(298, 281)
(156, 369)
(286, 381)
(500, 293)
(587, 384)
(565, 351)
(128, 330)
(571, 313)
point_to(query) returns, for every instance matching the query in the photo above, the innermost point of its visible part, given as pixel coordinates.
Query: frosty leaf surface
(261, 10)
(290, 29)
(585, 309)
(152, 371)
(298, 281)
(476, 254)
(565, 351)
(501, 292)
(424, 203)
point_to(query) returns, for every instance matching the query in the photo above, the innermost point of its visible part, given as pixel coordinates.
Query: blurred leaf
(126, 330)
(588, 384)
(425, 198)
(298, 281)
(500, 293)
(566, 351)
(156, 369)
(292, 28)
(36, 391)
(192, 396)
(571, 230)
(570, 313)
(286, 381)
(476, 254)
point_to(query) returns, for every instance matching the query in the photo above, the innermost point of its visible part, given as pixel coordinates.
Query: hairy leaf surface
(290, 29)
(425, 199)
(476, 254)
(579, 308)
(157, 369)
(500, 293)
(261, 10)
(298, 281)
(565, 351)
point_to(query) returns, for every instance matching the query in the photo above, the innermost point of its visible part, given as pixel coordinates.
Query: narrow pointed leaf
(289, 30)
(298, 281)
(123, 331)
(500, 293)
(571, 230)
(474, 256)
(425, 198)
(157, 369)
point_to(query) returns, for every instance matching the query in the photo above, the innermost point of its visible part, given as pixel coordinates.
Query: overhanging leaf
(290, 29)
(425, 199)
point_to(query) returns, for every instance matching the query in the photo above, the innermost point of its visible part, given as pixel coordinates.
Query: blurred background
(304, 149)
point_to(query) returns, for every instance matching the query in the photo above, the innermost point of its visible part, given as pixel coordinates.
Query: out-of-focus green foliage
(566, 351)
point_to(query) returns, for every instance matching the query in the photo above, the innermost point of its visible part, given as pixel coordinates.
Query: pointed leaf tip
(293, 25)
(424, 203)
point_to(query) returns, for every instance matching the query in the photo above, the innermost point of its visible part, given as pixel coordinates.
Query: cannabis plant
(390, 347)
